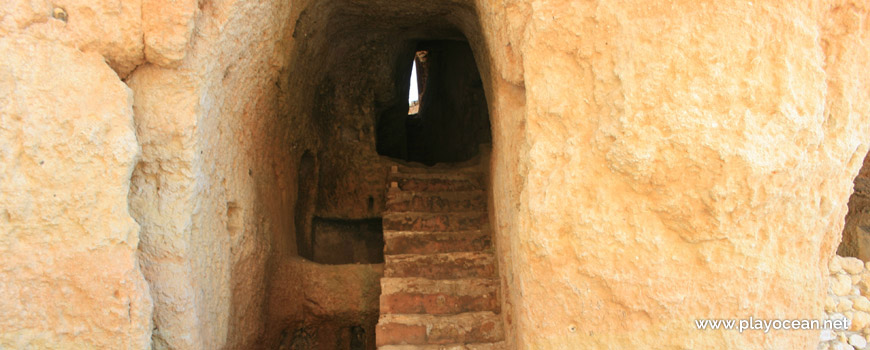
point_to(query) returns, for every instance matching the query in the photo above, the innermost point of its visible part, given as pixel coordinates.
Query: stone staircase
(440, 285)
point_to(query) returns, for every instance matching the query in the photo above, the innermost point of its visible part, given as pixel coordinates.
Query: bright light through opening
(412, 93)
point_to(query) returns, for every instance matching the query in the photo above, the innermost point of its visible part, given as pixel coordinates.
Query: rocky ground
(849, 286)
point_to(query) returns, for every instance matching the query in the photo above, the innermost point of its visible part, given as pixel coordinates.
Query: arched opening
(414, 92)
(351, 78)
(449, 119)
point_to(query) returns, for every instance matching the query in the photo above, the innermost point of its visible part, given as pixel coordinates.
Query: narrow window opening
(417, 82)
(447, 117)
(413, 98)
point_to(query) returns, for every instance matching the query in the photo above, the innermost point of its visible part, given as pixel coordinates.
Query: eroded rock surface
(69, 276)
(673, 159)
(110, 28)
(644, 156)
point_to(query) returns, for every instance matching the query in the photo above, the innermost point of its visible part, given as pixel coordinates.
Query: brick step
(420, 221)
(442, 266)
(469, 327)
(438, 297)
(413, 242)
(442, 168)
(473, 346)
(423, 182)
(436, 202)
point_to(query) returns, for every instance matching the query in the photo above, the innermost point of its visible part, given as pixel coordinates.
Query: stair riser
(435, 204)
(438, 304)
(441, 269)
(390, 334)
(434, 223)
(437, 185)
(483, 332)
(437, 243)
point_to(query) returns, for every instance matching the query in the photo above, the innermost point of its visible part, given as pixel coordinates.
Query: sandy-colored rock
(841, 284)
(644, 155)
(852, 265)
(861, 303)
(111, 28)
(168, 27)
(635, 168)
(844, 305)
(70, 277)
(831, 304)
(834, 265)
(217, 176)
(860, 320)
(864, 284)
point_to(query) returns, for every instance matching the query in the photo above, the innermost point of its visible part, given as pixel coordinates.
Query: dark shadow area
(345, 83)
(452, 120)
(327, 336)
(342, 241)
(856, 231)
(305, 193)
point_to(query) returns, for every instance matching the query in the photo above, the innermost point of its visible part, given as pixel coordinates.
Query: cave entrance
(347, 91)
(449, 119)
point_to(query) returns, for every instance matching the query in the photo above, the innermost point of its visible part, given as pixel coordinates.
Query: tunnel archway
(451, 119)
(350, 71)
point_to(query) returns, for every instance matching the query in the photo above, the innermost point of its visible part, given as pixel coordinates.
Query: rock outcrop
(69, 273)
(652, 164)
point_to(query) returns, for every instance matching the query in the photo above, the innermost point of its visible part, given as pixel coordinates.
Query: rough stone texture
(112, 28)
(168, 26)
(660, 163)
(318, 302)
(69, 277)
(644, 155)
(124, 32)
(856, 233)
(851, 304)
(214, 189)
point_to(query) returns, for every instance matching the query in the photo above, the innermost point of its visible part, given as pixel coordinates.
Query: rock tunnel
(220, 174)
(353, 68)
(294, 140)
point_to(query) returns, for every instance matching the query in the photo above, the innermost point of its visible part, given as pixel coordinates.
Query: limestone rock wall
(126, 33)
(644, 156)
(670, 160)
(69, 274)
(215, 188)
(112, 29)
